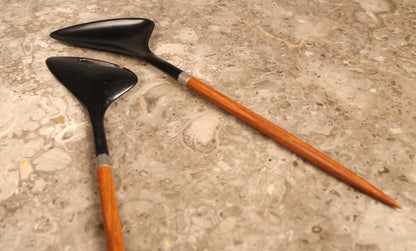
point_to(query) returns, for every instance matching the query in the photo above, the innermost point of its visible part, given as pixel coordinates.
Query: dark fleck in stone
(316, 229)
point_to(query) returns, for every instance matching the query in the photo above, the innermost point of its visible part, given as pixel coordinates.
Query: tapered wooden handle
(288, 140)
(111, 218)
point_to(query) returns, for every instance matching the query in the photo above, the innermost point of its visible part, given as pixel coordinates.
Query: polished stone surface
(340, 75)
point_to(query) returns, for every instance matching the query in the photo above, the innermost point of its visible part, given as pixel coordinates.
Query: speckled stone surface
(340, 75)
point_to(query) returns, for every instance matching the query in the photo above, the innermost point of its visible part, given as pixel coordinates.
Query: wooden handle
(288, 140)
(112, 225)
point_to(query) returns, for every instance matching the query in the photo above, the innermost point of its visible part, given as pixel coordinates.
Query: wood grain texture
(111, 218)
(288, 140)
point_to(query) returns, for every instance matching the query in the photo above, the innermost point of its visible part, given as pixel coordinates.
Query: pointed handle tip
(389, 201)
(397, 205)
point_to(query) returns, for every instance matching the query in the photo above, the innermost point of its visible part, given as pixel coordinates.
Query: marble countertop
(339, 75)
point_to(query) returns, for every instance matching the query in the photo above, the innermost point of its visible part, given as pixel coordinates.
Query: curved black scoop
(96, 84)
(128, 36)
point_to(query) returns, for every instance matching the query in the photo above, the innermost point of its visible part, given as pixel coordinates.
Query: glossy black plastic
(96, 84)
(128, 36)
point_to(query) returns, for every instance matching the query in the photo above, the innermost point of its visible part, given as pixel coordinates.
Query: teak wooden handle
(111, 218)
(288, 140)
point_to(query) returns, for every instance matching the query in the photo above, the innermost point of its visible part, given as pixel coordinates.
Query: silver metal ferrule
(184, 77)
(102, 159)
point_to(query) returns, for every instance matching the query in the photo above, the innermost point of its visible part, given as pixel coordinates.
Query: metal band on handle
(184, 77)
(102, 159)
